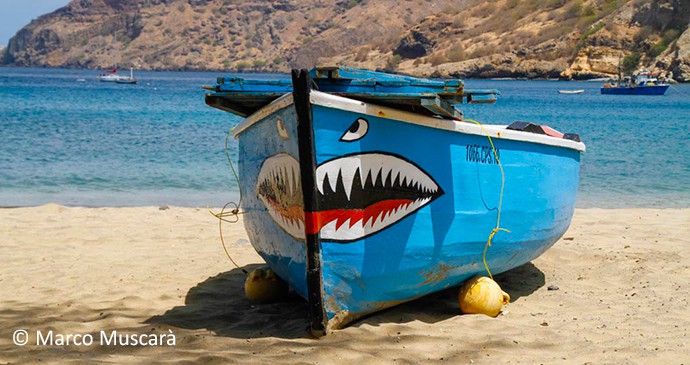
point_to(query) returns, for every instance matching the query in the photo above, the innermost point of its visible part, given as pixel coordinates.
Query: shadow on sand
(521, 281)
(218, 304)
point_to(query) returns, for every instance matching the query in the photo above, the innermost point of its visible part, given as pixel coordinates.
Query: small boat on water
(568, 92)
(364, 190)
(642, 83)
(113, 76)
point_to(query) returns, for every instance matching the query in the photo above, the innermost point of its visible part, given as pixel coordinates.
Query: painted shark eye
(357, 130)
(282, 131)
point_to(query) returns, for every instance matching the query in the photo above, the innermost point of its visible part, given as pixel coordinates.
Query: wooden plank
(307, 161)
(441, 107)
(487, 96)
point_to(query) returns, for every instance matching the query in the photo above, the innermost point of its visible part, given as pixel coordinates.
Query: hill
(476, 38)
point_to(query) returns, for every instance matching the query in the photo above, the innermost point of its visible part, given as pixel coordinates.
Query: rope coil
(233, 215)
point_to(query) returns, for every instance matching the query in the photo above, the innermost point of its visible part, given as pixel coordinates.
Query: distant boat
(370, 190)
(641, 84)
(112, 76)
(580, 91)
(627, 89)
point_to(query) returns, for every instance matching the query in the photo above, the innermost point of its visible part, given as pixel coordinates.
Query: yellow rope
(232, 167)
(221, 218)
(500, 199)
(235, 212)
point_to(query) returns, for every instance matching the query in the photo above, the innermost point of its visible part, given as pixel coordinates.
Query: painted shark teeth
(385, 168)
(279, 188)
(365, 193)
(350, 231)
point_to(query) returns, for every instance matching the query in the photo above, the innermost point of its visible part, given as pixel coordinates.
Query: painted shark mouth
(358, 195)
(279, 188)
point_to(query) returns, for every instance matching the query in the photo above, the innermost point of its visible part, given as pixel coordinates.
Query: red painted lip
(291, 213)
(317, 220)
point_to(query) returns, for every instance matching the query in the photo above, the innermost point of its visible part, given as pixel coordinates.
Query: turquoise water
(87, 143)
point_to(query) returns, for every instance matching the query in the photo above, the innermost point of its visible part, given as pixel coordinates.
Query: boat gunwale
(464, 127)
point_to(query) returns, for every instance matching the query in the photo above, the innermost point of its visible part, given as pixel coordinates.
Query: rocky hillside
(473, 38)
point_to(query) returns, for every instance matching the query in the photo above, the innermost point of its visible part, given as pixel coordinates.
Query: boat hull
(126, 81)
(107, 78)
(116, 78)
(638, 90)
(404, 206)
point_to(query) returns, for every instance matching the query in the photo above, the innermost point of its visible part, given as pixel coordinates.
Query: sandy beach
(622, 278)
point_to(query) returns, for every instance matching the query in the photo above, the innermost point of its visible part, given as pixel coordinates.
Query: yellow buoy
(481, 295)
(264, 285)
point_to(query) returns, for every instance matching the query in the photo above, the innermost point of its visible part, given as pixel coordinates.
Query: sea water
(69, 139)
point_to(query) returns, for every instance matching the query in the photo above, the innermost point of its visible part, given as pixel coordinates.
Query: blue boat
(641, 84)
(364, 190)
(635, 89)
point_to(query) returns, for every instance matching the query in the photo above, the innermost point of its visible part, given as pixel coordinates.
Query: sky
(15, 14)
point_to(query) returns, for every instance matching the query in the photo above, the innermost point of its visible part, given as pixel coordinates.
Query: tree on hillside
(630, 63)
